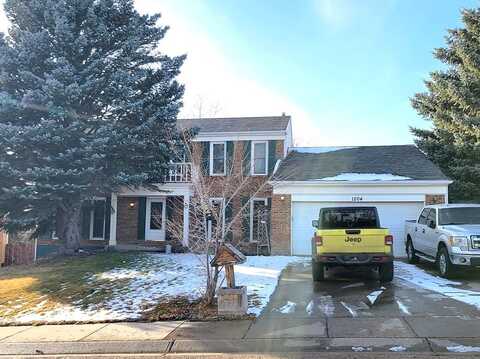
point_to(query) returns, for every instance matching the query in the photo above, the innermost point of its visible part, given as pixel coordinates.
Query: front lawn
(120, 286)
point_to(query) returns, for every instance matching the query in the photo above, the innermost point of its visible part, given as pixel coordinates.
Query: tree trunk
(211, 286)
(70, 227)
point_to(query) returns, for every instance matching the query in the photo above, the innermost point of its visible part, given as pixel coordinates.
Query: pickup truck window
(349, 217)
(459, 215)
(432, 217)
(423, 216)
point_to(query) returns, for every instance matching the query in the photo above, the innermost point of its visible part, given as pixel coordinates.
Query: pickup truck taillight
(318, 240)
(389, 240)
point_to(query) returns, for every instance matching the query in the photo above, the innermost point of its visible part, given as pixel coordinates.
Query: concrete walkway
(279, 335)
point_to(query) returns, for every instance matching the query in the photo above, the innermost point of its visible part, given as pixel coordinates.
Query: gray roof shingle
(403, 160)
(236, 124)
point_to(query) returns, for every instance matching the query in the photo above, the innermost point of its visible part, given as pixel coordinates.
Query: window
(218, 154)
(156, 215)
(259, 157)
(459, 215)
(349, 217)
(218, 215)
(423, 216)
(97, 220)
(431, 217)
(258, 219)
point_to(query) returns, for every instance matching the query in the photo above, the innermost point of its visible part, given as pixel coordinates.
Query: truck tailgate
(353, 241)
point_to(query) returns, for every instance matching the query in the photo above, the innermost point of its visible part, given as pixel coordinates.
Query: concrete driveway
(416, 312)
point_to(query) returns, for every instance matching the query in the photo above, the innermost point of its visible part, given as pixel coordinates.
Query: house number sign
(357, 199)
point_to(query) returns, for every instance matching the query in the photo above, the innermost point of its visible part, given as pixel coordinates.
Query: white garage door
(392, 216)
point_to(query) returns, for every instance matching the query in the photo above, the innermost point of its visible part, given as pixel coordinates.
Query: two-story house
(139, 218)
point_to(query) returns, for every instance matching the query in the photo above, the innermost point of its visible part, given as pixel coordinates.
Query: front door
(155, 219)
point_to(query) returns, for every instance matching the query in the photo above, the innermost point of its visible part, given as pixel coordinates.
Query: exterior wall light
(131, 205)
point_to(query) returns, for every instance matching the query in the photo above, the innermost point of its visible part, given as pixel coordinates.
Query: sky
(344, 70)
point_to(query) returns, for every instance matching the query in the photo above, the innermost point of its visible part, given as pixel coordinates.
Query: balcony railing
(179, 172)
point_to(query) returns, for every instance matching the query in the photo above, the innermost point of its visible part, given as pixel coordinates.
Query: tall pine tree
(88, 104)
(452, 104)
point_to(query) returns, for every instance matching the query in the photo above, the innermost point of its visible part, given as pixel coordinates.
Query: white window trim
(222, 200)
(252, 158)
(265, 202)
(224, 143)
(91, 237)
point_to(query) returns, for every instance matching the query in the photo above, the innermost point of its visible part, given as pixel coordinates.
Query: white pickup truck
(447, 234)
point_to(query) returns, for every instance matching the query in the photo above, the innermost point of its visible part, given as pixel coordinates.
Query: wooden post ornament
(227, 256)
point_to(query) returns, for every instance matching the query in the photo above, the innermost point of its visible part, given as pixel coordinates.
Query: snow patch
(403, 308)
(326, 305)
(361, 349)
(422, 279)
(287, 308)
(397, 349)
(325, 149)
(373, 297)
(463, 349)
(352, 311)
(309, 308)
(364, 177)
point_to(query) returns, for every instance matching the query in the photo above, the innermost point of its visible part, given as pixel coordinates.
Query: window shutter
(142, 211)
(247, 148)
(272, 156)
(229, 159)
(108, 211)
(85, 230)
(228, 218)
(205, 161)
(246, 218)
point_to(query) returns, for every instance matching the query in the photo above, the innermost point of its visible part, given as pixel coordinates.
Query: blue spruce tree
(88, 104)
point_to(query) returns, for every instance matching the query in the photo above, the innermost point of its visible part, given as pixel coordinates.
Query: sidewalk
(268, 335)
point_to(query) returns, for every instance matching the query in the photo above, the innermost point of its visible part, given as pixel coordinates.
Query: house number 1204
(357, 199)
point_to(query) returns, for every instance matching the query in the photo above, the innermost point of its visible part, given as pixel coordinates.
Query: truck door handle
(423, 230)
(416, 229)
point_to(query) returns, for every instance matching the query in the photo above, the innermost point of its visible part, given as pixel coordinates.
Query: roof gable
(365, 163)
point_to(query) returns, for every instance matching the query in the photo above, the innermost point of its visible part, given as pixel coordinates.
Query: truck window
(459, 215)
(349, 217)
(423, 216)
(432, 216)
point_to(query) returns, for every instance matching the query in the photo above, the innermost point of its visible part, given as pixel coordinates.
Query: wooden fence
(19, 253)
(3, 244)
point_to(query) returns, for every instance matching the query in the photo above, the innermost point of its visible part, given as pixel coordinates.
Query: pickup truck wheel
(411, 256)
(318, 271)
(386, 272)
(445, 266)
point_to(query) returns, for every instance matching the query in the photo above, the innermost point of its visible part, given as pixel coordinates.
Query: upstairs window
(259, 157)
(218, 153)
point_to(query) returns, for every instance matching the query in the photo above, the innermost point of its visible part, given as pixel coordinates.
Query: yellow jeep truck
(351, 237)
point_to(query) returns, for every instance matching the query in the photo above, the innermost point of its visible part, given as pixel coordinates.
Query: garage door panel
(392, 216)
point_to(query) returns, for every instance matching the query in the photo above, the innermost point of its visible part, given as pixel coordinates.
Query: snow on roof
(364, 177)
(324, 149)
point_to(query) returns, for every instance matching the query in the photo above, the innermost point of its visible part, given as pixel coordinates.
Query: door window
(156, 215)
(423, 216)
(432, 217)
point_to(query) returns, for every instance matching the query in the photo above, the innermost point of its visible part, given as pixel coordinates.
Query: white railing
(179, 172)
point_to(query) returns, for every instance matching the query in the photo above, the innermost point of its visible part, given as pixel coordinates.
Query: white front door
(155, 219)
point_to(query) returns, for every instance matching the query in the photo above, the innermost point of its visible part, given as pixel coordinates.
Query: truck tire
(386, 272)
(318, 271)
(445, 266)
(411, 255)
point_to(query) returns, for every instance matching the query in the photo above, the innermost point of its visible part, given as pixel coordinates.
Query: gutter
(359, 183)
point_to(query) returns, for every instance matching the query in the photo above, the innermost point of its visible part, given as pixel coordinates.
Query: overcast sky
(343, 69)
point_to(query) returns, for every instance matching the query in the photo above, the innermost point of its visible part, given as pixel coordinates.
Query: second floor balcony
(179, 172)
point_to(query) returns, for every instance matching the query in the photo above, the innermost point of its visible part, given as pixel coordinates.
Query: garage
(392, 216)
(397, 180)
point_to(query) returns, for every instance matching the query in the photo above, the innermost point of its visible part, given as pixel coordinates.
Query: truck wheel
(445, 266)
(318, 271)
(411, 256)
(386, 272)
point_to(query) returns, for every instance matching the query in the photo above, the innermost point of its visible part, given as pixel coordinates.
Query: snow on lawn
(126, 291)
(419, 277)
